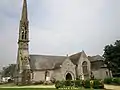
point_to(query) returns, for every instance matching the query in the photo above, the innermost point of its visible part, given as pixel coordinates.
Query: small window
(25, 27)
(47, 74)
(25, 34)
(22, 34)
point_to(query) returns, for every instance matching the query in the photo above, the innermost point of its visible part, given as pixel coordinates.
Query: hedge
(78, 83)
(115, 81)
(96, 84)
(59, 84)
(108, 80)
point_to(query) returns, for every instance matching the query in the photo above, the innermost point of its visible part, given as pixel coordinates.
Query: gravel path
(112, 87)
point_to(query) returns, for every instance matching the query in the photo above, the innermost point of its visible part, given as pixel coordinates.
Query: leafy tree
(112, 57)
(9, 70)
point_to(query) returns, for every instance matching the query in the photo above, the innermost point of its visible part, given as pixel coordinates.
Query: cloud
(60, 27)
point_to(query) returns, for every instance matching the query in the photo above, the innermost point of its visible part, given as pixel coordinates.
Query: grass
(40, 89)
(31, 86)
(34, 87)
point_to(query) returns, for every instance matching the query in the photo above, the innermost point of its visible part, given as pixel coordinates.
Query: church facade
(35, 68)
(79, 65)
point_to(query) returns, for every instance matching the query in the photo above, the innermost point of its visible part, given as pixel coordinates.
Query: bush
(67, 83)
(116, 81)
(98, 84)
(86, 83)
(78, 83)
(59, 84)
(108, 80)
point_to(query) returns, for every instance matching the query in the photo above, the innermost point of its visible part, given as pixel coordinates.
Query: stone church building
(67, 67)
(46, 68)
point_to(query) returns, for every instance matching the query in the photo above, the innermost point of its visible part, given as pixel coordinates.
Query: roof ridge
(47, 55)
(75, 54)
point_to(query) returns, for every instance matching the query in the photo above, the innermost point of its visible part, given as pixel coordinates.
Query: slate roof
(43, 62)
(75, 58)
(97, 62)
(95, 58)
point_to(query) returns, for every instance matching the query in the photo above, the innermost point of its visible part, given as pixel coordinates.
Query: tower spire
(23, 64)
(24, 16)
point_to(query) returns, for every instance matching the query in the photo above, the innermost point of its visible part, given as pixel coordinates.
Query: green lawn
(41, 89)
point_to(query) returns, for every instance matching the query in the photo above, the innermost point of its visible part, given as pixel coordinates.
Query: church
(36, 68)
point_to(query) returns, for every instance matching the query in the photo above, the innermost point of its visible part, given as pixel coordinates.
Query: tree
(9, 70)
(112, 57)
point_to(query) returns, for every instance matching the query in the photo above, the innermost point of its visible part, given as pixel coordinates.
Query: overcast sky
(60, 27)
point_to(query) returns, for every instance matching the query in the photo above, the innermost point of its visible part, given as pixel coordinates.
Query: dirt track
(112, 87)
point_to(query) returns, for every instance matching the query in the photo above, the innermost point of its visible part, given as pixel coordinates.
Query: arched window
(22, 34)
(32, 74)
(85, 67)
(47, 74)
(25, 34)
(25, 27)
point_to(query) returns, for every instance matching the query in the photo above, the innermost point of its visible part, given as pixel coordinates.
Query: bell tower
(23, 64)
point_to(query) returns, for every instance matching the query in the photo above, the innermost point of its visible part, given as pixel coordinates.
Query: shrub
(67, 83)
(72, 83)
(101, 84)
(108, 80)
(116, 81)
(98, 84)
(86, 83)
(78, 83)
(59, 84)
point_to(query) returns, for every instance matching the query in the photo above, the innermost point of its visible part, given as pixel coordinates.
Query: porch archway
(68, 76)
